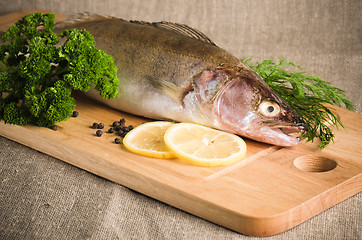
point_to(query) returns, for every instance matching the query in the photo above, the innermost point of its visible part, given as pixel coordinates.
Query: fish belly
(143, 101)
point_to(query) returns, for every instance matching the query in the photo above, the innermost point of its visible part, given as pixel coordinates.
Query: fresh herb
(310, 96)
(37, 76)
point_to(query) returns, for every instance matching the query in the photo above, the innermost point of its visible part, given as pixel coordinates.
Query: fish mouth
(291, 130)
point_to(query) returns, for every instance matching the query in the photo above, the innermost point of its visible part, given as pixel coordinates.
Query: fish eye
(269, 109)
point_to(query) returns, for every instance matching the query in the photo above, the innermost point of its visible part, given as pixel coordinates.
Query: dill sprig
(310, 96)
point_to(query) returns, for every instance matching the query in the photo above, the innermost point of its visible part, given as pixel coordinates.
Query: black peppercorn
(75, 114)
(54, 127)
(115, 124)
(111, 130)
(100, 125)
(123, 134)
(95, 125)
(122, 122)
(99, 133)
(120, 132)
(117, 140)
(130, 127)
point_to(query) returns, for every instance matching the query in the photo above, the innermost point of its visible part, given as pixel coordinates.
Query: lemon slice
(204, 146)
(147, 140)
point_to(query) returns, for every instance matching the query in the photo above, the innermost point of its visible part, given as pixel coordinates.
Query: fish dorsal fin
(179, 28)
(80, 18)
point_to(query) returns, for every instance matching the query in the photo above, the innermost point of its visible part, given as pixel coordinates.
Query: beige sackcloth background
(44, 198)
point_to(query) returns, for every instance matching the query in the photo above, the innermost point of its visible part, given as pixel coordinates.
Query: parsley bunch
(310, 96)
(37, 76)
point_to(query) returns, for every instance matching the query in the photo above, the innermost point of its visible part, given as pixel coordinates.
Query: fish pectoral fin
(174, 92)
(179, 28)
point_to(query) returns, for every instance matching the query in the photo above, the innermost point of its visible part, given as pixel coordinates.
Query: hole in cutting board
(312, 163)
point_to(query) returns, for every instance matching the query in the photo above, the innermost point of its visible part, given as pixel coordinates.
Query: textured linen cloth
(44, 198)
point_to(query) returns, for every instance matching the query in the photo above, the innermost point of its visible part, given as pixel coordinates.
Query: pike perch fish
(174, 72)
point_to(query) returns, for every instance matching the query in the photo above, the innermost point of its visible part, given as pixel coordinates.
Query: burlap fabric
(44, 198)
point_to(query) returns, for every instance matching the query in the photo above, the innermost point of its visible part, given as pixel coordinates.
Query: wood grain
(272, 190)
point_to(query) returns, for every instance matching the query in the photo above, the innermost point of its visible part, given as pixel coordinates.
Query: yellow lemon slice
(204, 146)
(147, 140)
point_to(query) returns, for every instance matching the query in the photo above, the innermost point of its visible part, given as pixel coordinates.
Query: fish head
(237, 100)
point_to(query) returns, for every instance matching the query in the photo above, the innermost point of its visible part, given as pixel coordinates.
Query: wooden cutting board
(272, 190)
